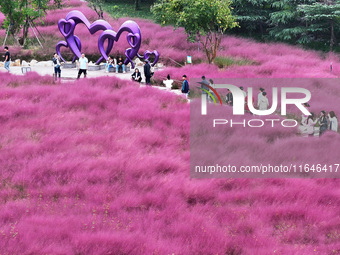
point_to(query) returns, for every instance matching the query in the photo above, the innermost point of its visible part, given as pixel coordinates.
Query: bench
(69, 65)
(96, 67)
(113, 69)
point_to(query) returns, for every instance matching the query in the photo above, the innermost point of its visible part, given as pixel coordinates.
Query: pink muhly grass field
(102, 167)
(74, 155)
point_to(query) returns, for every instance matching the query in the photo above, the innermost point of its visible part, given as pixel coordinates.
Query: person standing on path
(83, 65)
(7, 59)
(147, 72)
(57, 65)
(204, 82)
(185, 86)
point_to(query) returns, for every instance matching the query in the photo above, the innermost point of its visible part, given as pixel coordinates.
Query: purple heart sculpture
(68, 25)
(147, 55)
(134, 39)
(64, 44)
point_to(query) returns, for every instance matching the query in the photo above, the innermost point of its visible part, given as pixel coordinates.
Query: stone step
(96, 67)
(69, 65)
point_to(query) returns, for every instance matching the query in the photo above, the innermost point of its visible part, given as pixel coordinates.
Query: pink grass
(97, 166)
(102, 166)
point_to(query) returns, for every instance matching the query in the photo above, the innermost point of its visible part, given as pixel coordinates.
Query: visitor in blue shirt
(185, 86)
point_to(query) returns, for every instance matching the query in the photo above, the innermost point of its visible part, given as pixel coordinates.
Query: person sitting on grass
(136, 76)
(120, 64)
(323, 122)
(308, 125)
(109, 64)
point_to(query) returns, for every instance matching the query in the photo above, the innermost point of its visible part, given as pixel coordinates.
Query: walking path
(71, 74)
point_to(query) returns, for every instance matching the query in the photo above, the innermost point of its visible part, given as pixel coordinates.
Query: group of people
(325, 121)
(262, 100)
(136, 76)
(82, 65)
(119, 64)
(205, 89)
(185, 85)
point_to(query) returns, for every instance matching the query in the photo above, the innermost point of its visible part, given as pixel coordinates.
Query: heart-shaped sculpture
(64, 44)
(68, 25)
(134, 39)
(147, 55)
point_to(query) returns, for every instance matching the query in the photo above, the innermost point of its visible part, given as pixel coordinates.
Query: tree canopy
(203, 20)
(306, 22)
(20, 13)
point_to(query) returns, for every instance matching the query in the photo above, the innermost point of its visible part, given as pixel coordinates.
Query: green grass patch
(223, 62)
(118, 9)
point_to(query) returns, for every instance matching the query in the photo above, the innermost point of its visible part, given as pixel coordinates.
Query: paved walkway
(71, 74)
(68, 73)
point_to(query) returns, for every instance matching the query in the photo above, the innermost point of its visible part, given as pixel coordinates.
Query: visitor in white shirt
(83, 65)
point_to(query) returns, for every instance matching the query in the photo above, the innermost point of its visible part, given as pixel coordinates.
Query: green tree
(322, 18)
(97, 6)
(19, 14)
(58, 3)
(203, 20)
(253, 15)
(285, 22)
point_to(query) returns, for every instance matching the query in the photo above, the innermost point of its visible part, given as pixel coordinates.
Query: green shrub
(223, 62)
